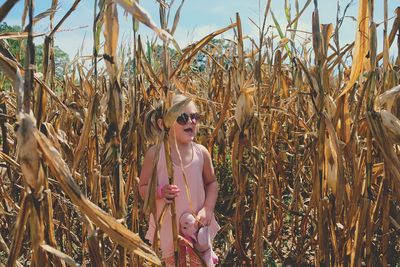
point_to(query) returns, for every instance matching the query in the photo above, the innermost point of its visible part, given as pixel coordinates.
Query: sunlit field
(303, 130)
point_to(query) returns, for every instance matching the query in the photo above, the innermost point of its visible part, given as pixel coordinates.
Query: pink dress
(194, 176)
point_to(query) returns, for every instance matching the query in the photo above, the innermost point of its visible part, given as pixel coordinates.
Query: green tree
(14, 46)
(61, 59)
(17, 49)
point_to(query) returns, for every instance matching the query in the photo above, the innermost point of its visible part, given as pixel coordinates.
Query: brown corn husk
(27, 154)
(392, 126)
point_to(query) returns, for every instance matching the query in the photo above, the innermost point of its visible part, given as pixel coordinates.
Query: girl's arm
(147, 169)
(167, 191)
(211, 189)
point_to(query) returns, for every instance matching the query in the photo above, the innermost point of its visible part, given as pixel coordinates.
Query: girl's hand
(169, 192)
(205, 215)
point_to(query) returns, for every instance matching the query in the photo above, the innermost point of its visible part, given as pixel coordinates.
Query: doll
(200, 238)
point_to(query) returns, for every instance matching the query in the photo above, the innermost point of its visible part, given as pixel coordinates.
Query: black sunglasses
(184, 118)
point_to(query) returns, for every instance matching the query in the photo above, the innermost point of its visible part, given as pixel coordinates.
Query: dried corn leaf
(107, 224)
(10, 161)
(141, 15)
(192, 50)
(93, 243)
(49, 91)
(326, 34)
(235, 158)
(395, 28)
(11, 69)
(334, 164)
(64, 257)
(19, 230)
(8, 67)
(222, 116)
(49, 12)
(78, 153)
(330, 106)
(361, 46)
(356, 254)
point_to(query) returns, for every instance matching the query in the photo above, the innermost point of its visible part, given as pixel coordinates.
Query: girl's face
(185, 127)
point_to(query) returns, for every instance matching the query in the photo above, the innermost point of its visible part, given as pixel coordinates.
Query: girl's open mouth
(189, 130)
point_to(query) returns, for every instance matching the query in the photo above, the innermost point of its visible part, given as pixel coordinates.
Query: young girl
(195, 161)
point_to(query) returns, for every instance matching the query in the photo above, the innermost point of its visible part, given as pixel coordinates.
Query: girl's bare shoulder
(151, 152)
(203, 150)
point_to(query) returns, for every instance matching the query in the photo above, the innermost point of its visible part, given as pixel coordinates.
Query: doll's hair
(152, 130)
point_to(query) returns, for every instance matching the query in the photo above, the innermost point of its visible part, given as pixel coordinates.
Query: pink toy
(200, 238)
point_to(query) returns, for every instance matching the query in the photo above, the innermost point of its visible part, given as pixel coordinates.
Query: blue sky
(198, 18)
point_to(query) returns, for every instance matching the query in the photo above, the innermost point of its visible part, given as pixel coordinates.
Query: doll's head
(200, 237)
(189, 225)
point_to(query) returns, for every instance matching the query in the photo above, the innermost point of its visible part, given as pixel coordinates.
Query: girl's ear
(160, 124)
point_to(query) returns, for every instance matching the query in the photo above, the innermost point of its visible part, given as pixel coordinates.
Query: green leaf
(287, 11)
(277, 25)
(297, 13)
(281, 35)
(149, 51)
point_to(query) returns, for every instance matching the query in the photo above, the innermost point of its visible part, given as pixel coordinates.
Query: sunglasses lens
(182, 119)
(194, 117)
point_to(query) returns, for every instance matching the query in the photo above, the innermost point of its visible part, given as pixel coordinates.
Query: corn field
(305, 141)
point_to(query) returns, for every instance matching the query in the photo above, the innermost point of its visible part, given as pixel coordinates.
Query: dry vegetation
(305, 141)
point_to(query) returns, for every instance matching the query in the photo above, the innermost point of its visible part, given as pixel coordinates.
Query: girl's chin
(190, 139)
(190, 135)
(186, 140)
